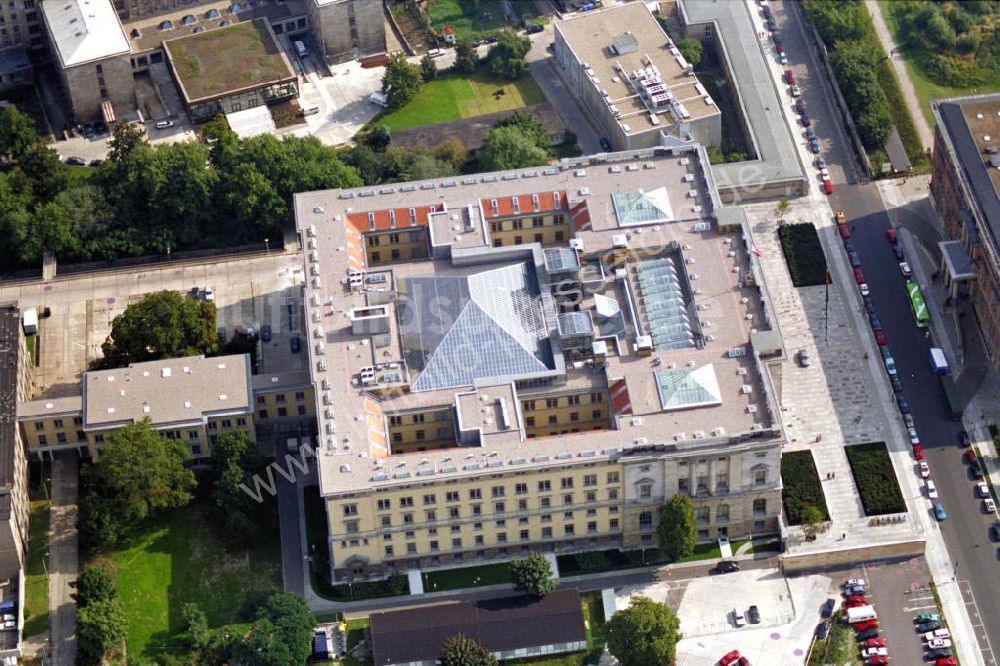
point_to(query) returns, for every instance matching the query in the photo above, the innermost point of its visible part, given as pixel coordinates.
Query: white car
(209, 294)
(865, 291)
(912, 432)
(851, 582)
(983, 489)
(904, 268)
(925, 470)
(937, 633)
(932, 491)
(874, 652)
(738, 618)
(989, 505)
(938, 643)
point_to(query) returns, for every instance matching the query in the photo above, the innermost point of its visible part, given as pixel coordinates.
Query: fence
(92, 266)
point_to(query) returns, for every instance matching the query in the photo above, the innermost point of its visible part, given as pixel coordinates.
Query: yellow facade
(548, 229)
(564, 414)
(421, 430)
(459, 519)
(382, 249)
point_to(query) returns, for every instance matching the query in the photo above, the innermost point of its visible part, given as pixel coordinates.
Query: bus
(918, 305)
(951, 396)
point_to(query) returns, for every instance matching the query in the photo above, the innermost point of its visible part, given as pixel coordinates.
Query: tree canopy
(466, 57)
(532, 575)
(401, 81)
(100, 629)
(164, 324)
(96, 582)
(644, 634)
(461, 650)
(281, 635)
(236, 461)
(17, 132)
(506, 56)
(678, 529)
(510, 148)
(691, 49)
(428, 68)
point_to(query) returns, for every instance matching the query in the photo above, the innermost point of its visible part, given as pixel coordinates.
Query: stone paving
(831, 403)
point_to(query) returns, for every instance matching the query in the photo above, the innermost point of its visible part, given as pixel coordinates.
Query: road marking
(985, 637)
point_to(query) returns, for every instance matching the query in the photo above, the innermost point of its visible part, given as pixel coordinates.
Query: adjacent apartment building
(536, 359)
(965, 189)
(15, 387)
(193, 399)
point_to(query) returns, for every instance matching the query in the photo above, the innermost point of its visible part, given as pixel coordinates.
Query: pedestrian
(844, 535)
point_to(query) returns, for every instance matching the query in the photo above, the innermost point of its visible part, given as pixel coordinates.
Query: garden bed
(803, 254)
(875, 479)
(801, 486)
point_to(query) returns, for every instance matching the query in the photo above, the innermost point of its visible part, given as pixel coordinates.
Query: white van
(379, 98)
(300, 48)
(861, 613)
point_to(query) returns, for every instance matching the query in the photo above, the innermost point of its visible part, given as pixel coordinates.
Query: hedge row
(803, 254)
(801, 486)
(902, 118)
(875, 478)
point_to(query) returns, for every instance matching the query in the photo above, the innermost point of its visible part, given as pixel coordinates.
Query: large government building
(537, 359)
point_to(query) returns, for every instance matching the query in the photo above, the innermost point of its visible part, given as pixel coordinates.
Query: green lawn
(455, 579)
(468, 24)
(179, 559)
(456, 96)
(36, 587)
(839, 647)
(925, 88)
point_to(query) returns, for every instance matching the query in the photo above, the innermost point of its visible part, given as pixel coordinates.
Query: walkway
(885, 36)
(63, 558)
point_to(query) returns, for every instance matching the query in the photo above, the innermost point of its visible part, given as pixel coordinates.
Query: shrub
(803, 254)
(875, 479)
(802, 487)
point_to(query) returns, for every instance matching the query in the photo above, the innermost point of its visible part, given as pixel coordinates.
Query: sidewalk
(898, 64)
(63, 559)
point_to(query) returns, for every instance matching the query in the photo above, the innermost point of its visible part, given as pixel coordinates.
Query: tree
(377, 137)
(506, 56)
(532, 575)
(163, 324)
(678, 529)
(401, 81)
(17, 132)
(125, 138)
(452, 151)
(782, 208)
(428, 68)
(461, 650)
(466, 57)
(529, 126)
(644, 634)
(95, 583)
(281, 635)
(236, 461)
(509, 148)
(100, 629)
(812, 519)
(41, 165)
(253, 200)
(691, 49)
(144, 471)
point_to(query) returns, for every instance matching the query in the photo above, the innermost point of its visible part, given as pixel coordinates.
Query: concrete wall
(83, 86)
(845, 556)
(346, 29)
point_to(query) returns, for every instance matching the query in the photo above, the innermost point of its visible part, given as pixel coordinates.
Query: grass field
(214, 62)
(468, 24)
(36, 587)
(456, 96)
(925, 88)
(179, 559)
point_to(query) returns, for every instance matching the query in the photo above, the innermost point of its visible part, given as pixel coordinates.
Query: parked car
(789, 77)
(880, 338)
(859, 276)
(810, 134)
(969, 456)
(908, 420)
(827, 186)
(874, 642)
(947, 661)
(730, 658)
(982, 489)
(76, 161)
(533, 29)
(806, 121)
(804, 359)
(800, 107)
(727, 566)
(821, 164)
(753, 615)
(939, 643)
(822, 629)
(814, 145)
(903, 403)
(927, 617)
(739, 619)
(976, 469)
(853, 590)
(867, 625)
(295, 344)
(869, 304)
(890, 367)
(605, 144)
(844, 231)
(875, 321)
(826, 610)
(918, 452)
(88, 131)
(932, 491)
(890, 235)
(874, 652)
(865, 289)
(164, 124)
(772, 25)
(963, 438)
(989, 506)
(995, 530)
(937, 633)
(96, 163)
(877, 660)
(898, 253)
(904, 268)
(782, 57)
(210, 295)
(939, 512)
(896, 383)
(868, 633)
(265, 333)
(795, 91)
(855, 602)
(939, 653)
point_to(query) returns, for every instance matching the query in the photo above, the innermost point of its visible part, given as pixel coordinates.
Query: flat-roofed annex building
(965, 190)
(535, 359)
(632, 80)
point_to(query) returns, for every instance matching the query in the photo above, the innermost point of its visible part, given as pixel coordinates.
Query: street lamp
(267, 247)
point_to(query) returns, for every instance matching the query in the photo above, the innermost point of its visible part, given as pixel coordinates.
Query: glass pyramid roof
(635, 208)
(684, 389)
(458, 329)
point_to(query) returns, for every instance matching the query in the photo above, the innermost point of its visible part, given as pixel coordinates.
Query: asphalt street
(966, 529)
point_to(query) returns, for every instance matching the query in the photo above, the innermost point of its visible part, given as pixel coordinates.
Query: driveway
(63, 558)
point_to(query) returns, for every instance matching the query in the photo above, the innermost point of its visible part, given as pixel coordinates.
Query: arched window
(212, 14)
(224, 23)
(198, 29)
(167, 25)
(189, 20)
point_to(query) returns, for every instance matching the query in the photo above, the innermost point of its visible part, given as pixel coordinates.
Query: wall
(24, 25)
(83, 86)
(422, 430)
(347, 29)
(545, 229)
(846, 556)
(403, 245)
(553, 414)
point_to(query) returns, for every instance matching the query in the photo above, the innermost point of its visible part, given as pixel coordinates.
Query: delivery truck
(938, 361)
(860, 614)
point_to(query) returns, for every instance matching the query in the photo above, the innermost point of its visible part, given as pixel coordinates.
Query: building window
(590, 496)
(592, 527)
(704, 515)
(282, 411)
(196, 449)
(722, 513)
(39, 426)
(192, 434)
(566, 482)
(551, 403)
(521, 489)
(301, 409)
(61, 437)
(434, 545)
(612, 477)
(568, 498)
(411, 548)
(388, 551)
(386, 521)
(574, 416)
(383, 505)
(241, 421)
(569, 530)
(546, 532)
(430, 499)
(613, 524)
(545, 502)
(646, 519)
(477, 509)
(405, 502)
(499, 507)
(98, 439)
(104, 93)
(759, 507)
(760, 477)
(612, 493)
(475, 493)
(452, 496)
(350, 509)
(553, 420)
(683, 486)
(420, 435)
(498, 491)
(453, 512)
(407, 518)
(351, 526)
(430, 515)
(262, 413)
(529, 421)
(544, 486)
(645, 491)
(456, 543)
(397, 438)
(546, 517)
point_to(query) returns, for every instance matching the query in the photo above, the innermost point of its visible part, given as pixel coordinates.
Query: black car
(897, 252)
(874, 320)
(806, 122)
(869, 307)
(753, 615)
(605, 144)
(903, 403)
(977, 469)
(810, 134)
(766, 12)
(532, 29)
(772, 25)
(295, 344)
(924, 627)
(849, 246)
(827, 609)
(76, 161)
(854, 259)
(939, 653)
(963, 438)
(821, 630)
(865, 635)
(88, 131)
(727, 566)
(100, 127)
(96, 163)
(897, 383)
(800, 105)
(995, 530)
(265, 333)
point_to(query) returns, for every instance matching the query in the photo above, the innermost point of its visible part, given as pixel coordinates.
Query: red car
(918, 452)
(789, 77)
(875, 642)
(880, 337)
(844, 231)
(743, 661)
(730, 658)
(827, 186)
(877, 660)
(946, 661)
(859, 277)
(890, 235)
(969, 456)
(854, 603)
(866, 625)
